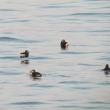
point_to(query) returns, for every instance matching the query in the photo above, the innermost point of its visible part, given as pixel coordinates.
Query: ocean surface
(71, 79)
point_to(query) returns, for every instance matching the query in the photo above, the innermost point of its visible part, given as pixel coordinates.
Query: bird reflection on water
(107, 72)
(25, 62)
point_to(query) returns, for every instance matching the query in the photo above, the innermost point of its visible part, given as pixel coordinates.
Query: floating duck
(64, 44)
(24, 54)
(35, 74)
(107, 68)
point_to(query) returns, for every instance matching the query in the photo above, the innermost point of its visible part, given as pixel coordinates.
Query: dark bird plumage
(64, 44)
(35, 74)
(24, 54)
(107, 68)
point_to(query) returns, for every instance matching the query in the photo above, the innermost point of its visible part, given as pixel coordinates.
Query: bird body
(107, 68)
(24, 54)
(35, 74)
(64, 44)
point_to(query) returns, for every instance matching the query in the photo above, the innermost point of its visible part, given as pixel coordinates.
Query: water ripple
(79, 52)
(67, 106)
(99, 102)
(8, 10)
(40, 58)
(56, 6)
(104, 83)
(90, 14)
(28, 103)
(85, 107)
(78, 14)
(104, 58)
(9, 57)
(41, 86)
(10, 72)
(84, 64)
(74, 82)
(11, 39)
(16, 21)
(94, 31)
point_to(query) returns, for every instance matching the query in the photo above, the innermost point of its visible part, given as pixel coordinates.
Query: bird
(24, 54)
(107, 68)
(35, 74)
(64, 44)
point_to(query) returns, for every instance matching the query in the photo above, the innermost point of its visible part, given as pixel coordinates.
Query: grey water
(71, 79)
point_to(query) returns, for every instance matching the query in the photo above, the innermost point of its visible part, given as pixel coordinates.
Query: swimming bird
(64, 44)
(35, 74)
(24, 54)
(107, 68)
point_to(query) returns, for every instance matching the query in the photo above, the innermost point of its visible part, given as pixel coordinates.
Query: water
(72, 79)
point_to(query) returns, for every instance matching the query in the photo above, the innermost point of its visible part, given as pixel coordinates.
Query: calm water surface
(72, 79)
